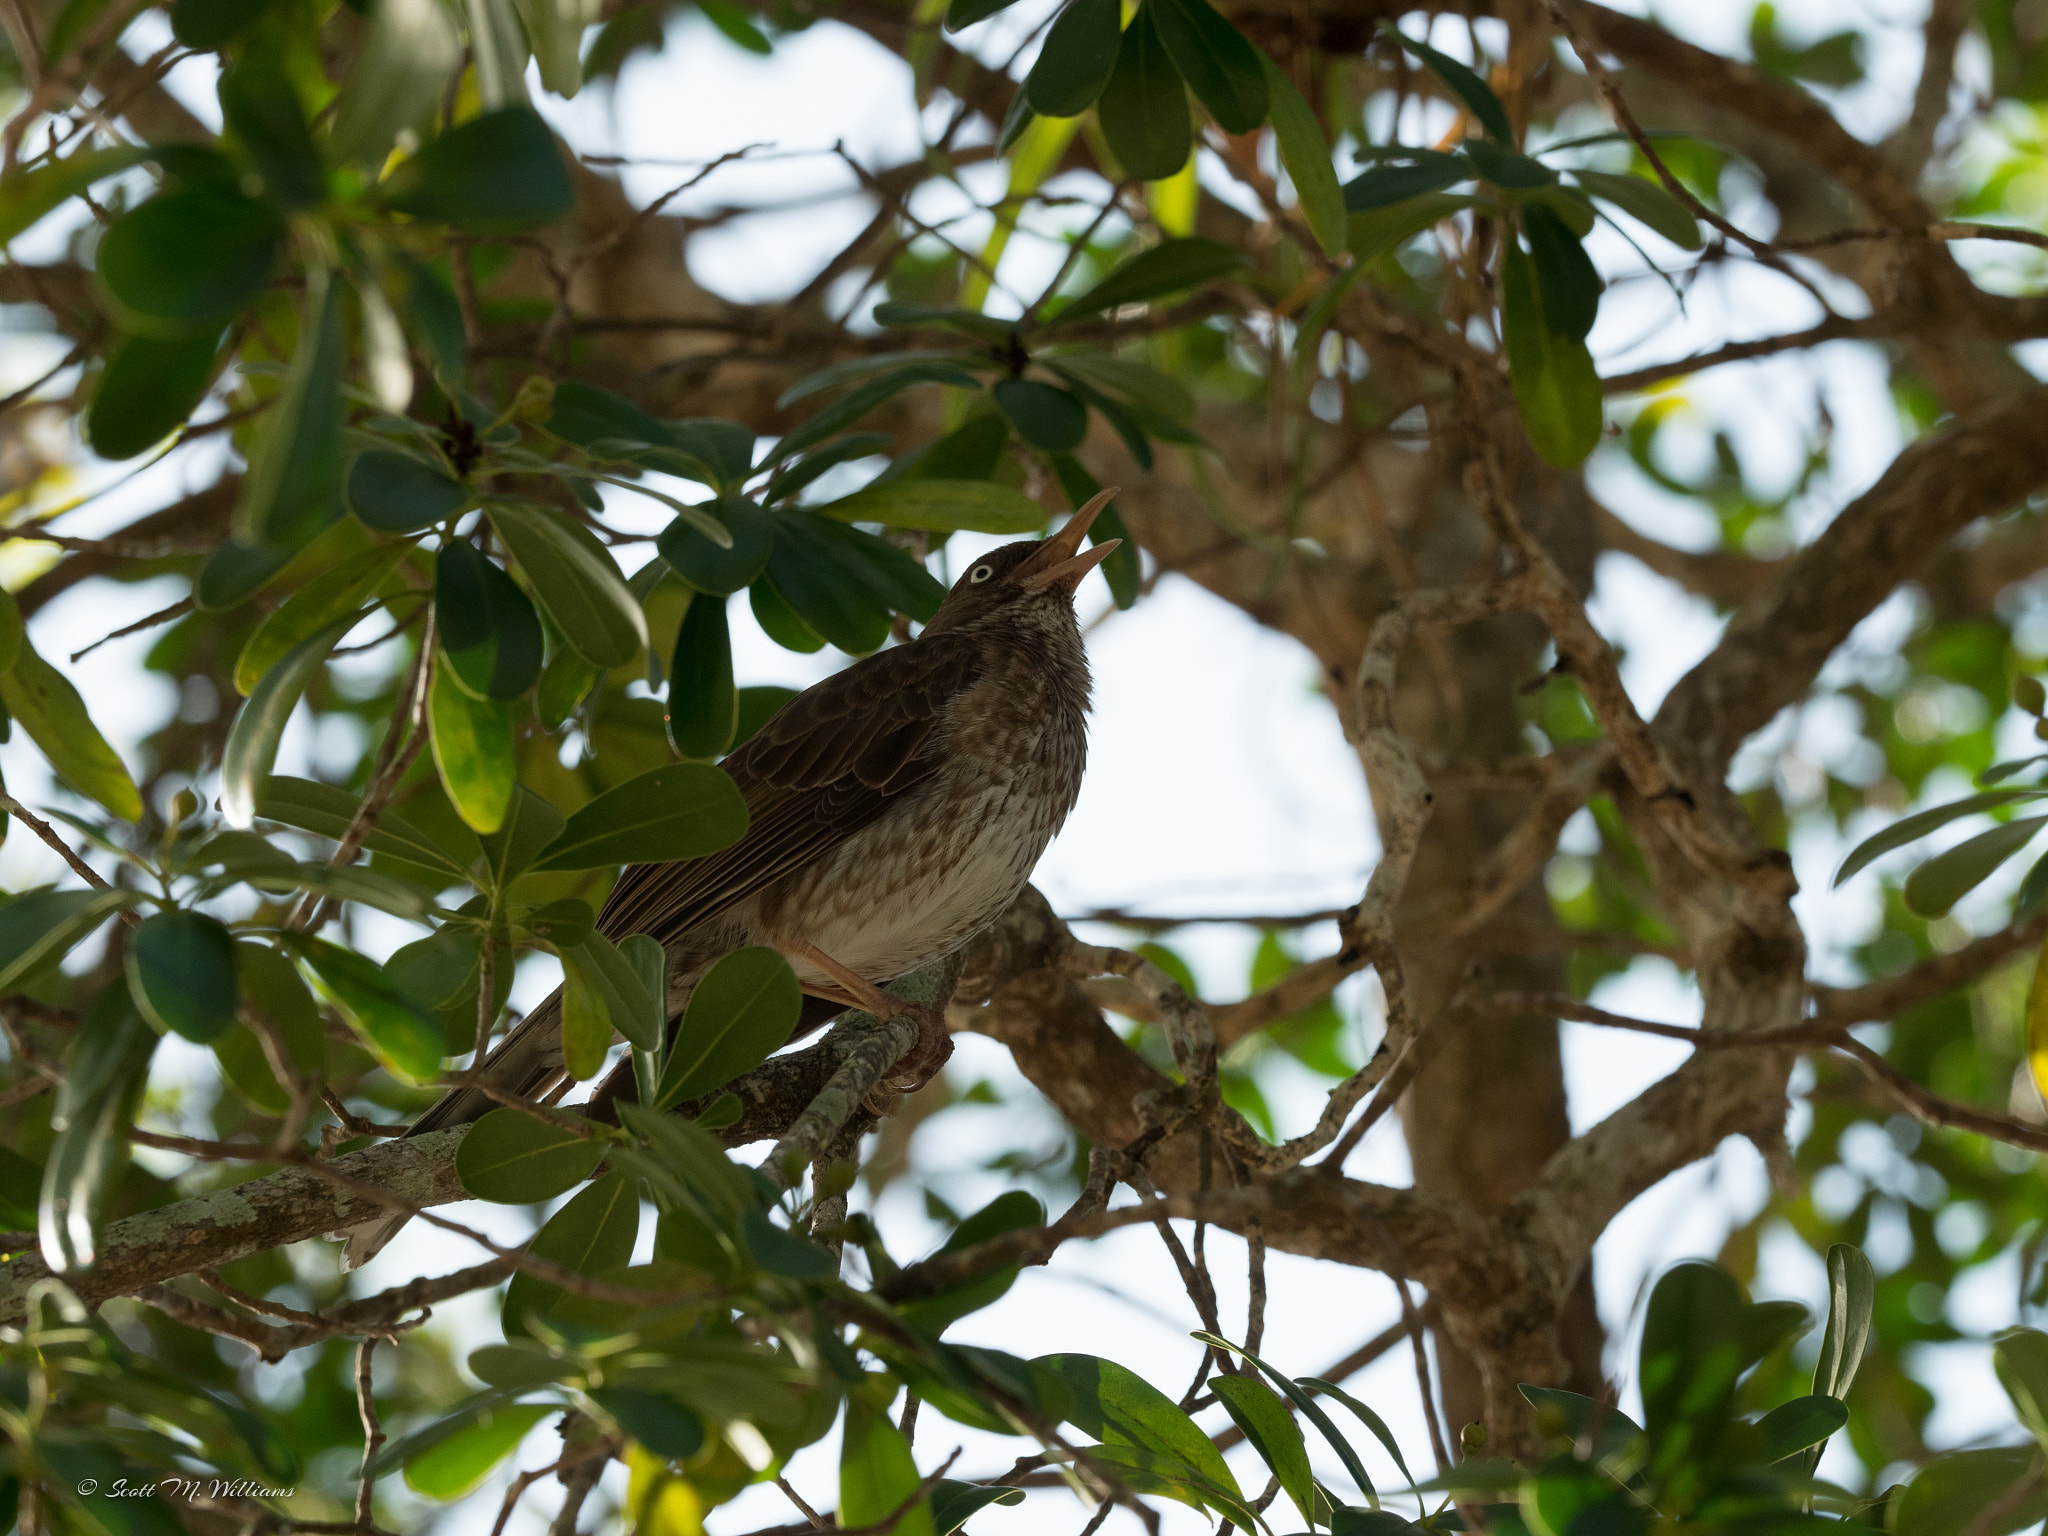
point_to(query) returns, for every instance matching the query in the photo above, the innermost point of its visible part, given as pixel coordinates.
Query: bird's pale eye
(980, 574)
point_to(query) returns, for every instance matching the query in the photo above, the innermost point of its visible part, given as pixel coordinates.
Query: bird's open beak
(1058, 562)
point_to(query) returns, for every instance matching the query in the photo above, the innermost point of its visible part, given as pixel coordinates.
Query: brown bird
(895, 810)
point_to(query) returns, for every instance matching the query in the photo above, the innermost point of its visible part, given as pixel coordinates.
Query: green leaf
(498, 54)
(1306, 155)
(680, 811)
(877, 1474)
(971, 454)
(1429, 170)
(1372, 1421)
(1556, 387)
(730, 19)
(946, 317)
(1620, 1436)
(1257, 1410)
(1379, 230)
(27, 195)
(494, 174)
(706, 567)
(703, 705)
(181, 969)
(954, 1504)
(13, 632)
(94, 1108)
(441, 970)
(395, 1028)
(1953, 873)
(1462, 83)
(577, 582)
(293, 484)
(1144, 107)
(42, 699)
(263, 111)
(1565, 275)
(780, 622)
(942, 506)
(189, 259)
(1502, 166)
(252, 741)
(1009, 1212)
(1305, 1405)
(394, 492)
(783, 1252)
(150, 386)
(856, 403)
(1647, 203)
(594, 1232)
(1044, 415)
(616, 987)
(739, 1014)
(397, 79)
(792, 478)
(2020, 1356)
(1954, 1494)
(336, 593)
(1690, 1356)
(586, 1027)
(1120, 570)
(456, 1466)
(845, 583)
(1911, 828)
(19, 1180)
(329, 810)
(1792, 1427)
(1227, 74)
(203, 25)
(41, 925)
(659, 1423)
(486, 627)
(965, 13)
(1120, 1408)
(522, 1365)
(1075, 62)
(1852, 1300)
(556, 32)
(757, 707)
(473, 749)
(1171, 267)
(513, 1158)
(530, 825)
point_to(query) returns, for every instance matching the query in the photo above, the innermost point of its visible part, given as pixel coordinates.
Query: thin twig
(373, 1430)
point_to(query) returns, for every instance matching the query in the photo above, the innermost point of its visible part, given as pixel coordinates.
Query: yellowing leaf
(2037, 1024)
(662, 1503)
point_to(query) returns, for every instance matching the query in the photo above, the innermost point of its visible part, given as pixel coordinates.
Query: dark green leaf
(661, 1424)
(252, 741)
(20, 1179)
(1430, 171)
(1556, 387)
(681, 811)
(2020, 1356)
(576, 580)
(436, 316)
(1305, 1405)
(786, 482)
(235, 572)
(845, 583)
(1171, 267)
(724, 449)
(1911, 828)
(1646, 202)
(530, 826)
(473, 750)
(1075, 62)
(485, 625)
(43, 700)
(519, 1366)
(330, 810)
(784, 1253)
(703, 705)
(945, 317)
(1006, 1213)
(616, 988)
(1121, 570)
(293, 485)
(1690, 1356)
(396, 493)
(151, 385)
(263, 111)
(1120, 1408)
(730, 19)
(706, 567)
(38, 926)
(826, 380)
(1306, 154)
(757, 707)
(493, 174)
(1474, 92)
(1791, 1427)
(27, 195)
(856, 403)
(1565, 275)
(190, 259)
(1143, 109)
(739, 1014)
(594, 1232)
(181, 969)
(457, 1465)
(441, 971)
(780, 622)
(1953, 873)
(1620, 1436)
(965, 13)
(396, 1029)
(971, 453)
(1225, 71)
(1044, 415)
(515, 1159)
(1502, 166)
(953, 1504)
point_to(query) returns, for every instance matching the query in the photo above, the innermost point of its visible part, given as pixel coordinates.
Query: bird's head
(1029, 575)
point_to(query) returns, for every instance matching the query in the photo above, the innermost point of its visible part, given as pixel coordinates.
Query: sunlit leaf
(473, 749)
(395, 1028)
(458, 1464)
(252, 741)
(337, 592)
(42, 699)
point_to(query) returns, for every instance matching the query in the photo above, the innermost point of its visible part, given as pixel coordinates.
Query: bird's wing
(830, 762)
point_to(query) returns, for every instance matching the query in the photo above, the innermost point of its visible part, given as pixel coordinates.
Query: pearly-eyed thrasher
(895, 809)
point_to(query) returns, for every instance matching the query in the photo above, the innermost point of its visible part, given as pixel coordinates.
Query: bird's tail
(524, 1063)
